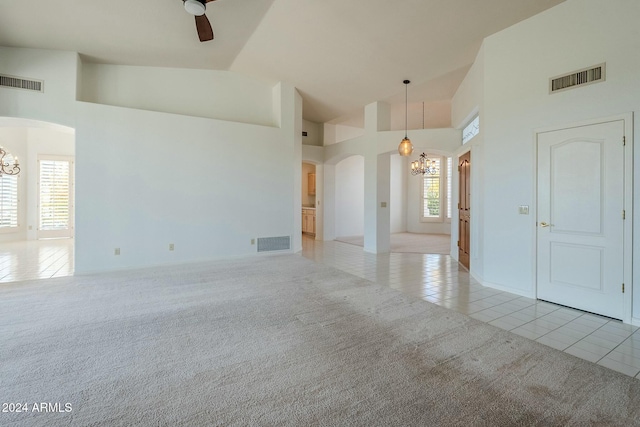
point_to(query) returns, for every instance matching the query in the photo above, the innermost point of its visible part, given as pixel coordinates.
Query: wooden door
(464, 208)
(580, 233)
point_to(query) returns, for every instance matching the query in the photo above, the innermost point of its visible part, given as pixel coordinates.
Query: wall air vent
(21, 83)
(595, 74)
(267, 244)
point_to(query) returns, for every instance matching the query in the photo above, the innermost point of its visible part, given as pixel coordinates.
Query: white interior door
(580, 225)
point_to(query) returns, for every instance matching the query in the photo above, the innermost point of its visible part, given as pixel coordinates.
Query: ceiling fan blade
(205, 32)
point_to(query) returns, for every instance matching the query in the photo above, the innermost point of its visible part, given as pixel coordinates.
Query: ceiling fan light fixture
(195, 7)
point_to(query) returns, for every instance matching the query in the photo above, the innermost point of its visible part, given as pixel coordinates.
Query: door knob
(544, 224)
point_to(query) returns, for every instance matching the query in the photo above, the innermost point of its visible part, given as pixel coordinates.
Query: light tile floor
(434, 278)
(440, 280)
(36, 259)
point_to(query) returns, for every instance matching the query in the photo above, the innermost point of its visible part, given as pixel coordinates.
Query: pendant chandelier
(405, 148)
(5, 167)
(424, 166)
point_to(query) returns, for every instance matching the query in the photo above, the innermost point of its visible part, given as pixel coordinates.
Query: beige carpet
(410, 243)
(280, 340)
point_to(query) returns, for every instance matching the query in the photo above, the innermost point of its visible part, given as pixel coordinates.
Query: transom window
(471, 130)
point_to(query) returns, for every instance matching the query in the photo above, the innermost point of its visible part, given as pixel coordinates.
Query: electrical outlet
(117, 251)
(31, 227)
(253, 241)
(171, 246)
(383, 204)
(523, 209)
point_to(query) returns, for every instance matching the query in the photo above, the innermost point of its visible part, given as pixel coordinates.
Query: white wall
(398, 196)
(57, 69)
(145, 179)
(517, 64)
(314, 131)
(199, 93)
(349, 197)
(339, 133)
(436, 115)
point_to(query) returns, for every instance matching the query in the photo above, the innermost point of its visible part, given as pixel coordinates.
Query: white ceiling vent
(595, 74)
(21, 83)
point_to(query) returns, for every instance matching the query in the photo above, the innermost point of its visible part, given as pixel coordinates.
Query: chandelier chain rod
(406, 119)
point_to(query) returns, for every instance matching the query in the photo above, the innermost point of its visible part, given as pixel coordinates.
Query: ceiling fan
(197, 8)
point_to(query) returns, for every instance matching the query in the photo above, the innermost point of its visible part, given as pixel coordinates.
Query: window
(8, 200)
(471, 130)
(449, 181)
(436, 192)
(55, 197)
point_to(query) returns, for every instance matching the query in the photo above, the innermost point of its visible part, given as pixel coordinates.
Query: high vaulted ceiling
(340, 54)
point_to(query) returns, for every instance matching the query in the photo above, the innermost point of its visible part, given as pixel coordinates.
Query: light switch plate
(523, 209)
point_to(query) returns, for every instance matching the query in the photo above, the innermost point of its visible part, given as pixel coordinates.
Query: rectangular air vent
(267, 244)
(21, 83)
(582, 77)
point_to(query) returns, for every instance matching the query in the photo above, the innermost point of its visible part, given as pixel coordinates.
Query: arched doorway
(39, 244)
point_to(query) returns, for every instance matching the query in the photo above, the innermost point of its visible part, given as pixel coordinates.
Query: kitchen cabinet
(309, 221)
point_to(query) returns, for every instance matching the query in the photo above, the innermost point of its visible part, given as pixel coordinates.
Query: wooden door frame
(458, 157)
(627, 119)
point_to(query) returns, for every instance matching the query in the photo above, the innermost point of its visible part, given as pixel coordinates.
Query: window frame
(475, 118)
(445, 215)
(18, 206)
(56, 233)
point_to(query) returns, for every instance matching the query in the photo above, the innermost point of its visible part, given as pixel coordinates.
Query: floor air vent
(582, 77)
(266, 244)
(21, 83)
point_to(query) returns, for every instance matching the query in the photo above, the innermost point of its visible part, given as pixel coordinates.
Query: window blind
(431, 193)
(8, 201)
(55, 194)
(449, 181)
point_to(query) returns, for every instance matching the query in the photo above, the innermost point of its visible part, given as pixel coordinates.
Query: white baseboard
(522, 293)
(635, 321)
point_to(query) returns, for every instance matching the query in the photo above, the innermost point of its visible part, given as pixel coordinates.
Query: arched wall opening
(42, 149)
